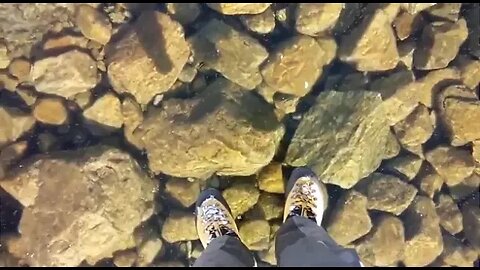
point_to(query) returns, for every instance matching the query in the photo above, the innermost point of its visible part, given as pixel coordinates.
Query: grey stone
(336, 135)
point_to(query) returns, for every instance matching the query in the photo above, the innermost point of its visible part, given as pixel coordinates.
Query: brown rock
(183, 191)
(234, 54)
(93, 24)
(268, 255)
(184, 13)
(476, 151)
(7, 260)
(123, 12)
(104, 196)
(98, 53)
(65, 75)
(450, 217)
(457, 117)
(329, 47)
(296, 66)
(285, 103)
(448, 11)
(64, 41)
(270, 178)
(27, 94)
(239, 8)
(390, 9)
(415, 8)
(197, 250)
(83, 100)
(429, 182)
(266, 92)
(14, 124)
(401, 94)
(456, 253)
(392, 148)
(430, 85)
(453, 90)
(50, 111)
(148, 251)
(453, 164)
(4, 59)
(274, 227)
(241, 197)
(105, 111)
(149, 245)
(384, 245)
(24, 25)
(468, 186)
(285, 16)
(422, 233)
(7, 81)
(132, 118)
(143, 233)
(188, 74)
(406, 24)
(350, 219)
(405, 52)
(415, 149)
(262, 23)
(316, 18)
(371, 46)
(471, 225)
(469, 71)
(11, 154)
(440, 44)
(20, 68)
(124, 258)
(270, 205)
(416, 128)
(208, 145)
(255, 234)
(179, 226)
(388, 193)
(406, 165)
(397, 92)
(144, 66)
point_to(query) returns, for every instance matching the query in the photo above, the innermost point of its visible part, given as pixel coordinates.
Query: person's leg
(225, 251)
(301, 242)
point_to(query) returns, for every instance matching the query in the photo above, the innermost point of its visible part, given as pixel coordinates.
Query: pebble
(20, 68)
(93, 24)
(185, 13)
(50, 111)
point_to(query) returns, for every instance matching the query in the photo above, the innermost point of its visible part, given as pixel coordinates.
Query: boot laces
(304, 200)
(216, 221)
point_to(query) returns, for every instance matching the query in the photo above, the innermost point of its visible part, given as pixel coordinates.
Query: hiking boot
(306, 196)
(213, 217)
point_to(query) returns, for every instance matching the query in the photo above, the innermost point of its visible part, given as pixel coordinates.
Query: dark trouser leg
(225, 251)
(301, 242)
